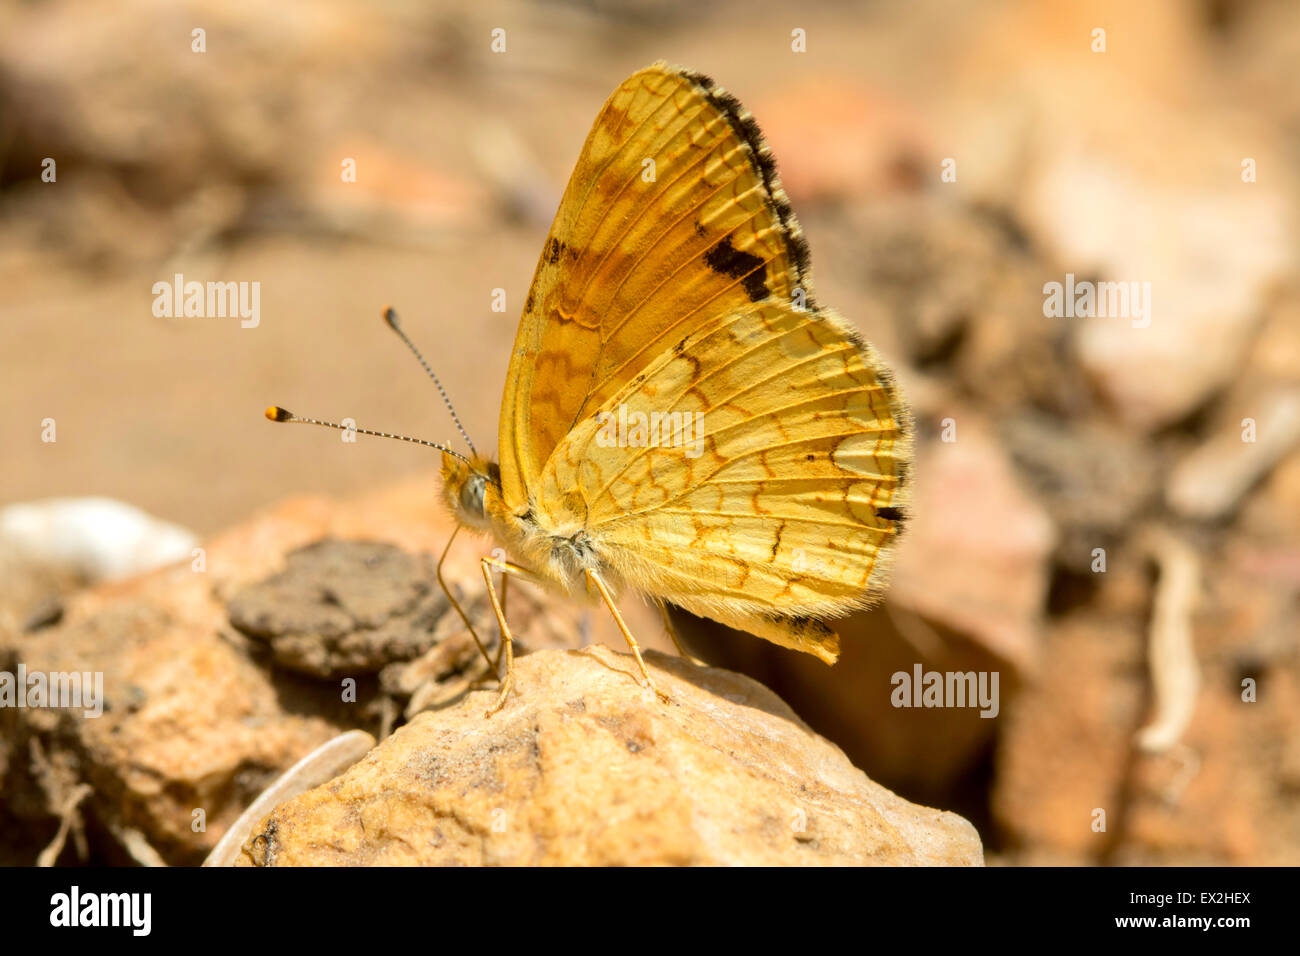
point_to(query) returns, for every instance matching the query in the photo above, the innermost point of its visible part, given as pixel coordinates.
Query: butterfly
(680, 418)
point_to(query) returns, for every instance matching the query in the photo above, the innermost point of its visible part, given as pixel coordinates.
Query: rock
(320, 766)
(1095, 480)
(96, 539)
(1210, 483)
(29, 591)
(975, 557)
(53, 547)
(192, 727)
(1208, 260)
(1050, 135)
(344, 607)
(959, 288)
(196, 720)
(585, 767)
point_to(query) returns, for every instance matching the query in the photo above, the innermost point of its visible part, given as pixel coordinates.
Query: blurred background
(1107, 513)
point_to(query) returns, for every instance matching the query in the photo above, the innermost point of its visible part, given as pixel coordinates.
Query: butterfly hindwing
(755, 473)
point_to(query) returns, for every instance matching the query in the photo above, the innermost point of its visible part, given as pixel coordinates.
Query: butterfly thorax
(556, 548)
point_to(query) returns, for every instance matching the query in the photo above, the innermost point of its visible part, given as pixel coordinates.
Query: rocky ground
(218, 681)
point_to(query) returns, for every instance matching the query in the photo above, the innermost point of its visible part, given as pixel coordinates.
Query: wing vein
(633, 459)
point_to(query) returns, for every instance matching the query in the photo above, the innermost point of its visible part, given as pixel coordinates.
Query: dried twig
(1175, 676)
(135, 843)
(68, 817)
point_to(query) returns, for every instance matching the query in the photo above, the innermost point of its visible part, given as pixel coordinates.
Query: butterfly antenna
(390, 316)
(277, 414)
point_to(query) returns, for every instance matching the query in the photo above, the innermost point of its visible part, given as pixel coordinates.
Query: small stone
(343, 607)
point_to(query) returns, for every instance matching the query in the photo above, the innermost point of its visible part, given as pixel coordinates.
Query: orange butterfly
(680, 419)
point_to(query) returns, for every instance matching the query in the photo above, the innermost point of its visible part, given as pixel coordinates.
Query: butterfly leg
(595, 579)
(498, 606)
(505, 593)
(459, 610)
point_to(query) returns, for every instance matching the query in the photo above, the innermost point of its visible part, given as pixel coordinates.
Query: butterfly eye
(471, 495)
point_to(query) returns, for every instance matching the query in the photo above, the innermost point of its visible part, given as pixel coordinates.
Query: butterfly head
(470, 487)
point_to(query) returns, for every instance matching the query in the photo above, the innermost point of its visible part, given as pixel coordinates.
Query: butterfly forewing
(672, 218)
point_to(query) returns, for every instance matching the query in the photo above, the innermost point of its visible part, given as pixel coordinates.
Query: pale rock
(1207, 256)
(585, 766)
(98, 539)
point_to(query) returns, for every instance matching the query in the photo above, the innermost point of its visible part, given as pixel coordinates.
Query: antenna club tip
(390, 316)
(277, 414)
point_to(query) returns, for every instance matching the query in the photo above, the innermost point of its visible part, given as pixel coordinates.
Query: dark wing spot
(553, 250)
(890, 514)
(760, 158)
(801, 624)
(726, 259)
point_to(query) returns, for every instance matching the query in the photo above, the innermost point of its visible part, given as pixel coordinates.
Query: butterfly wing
(754, 473)
(673, 217)
(674, 283)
